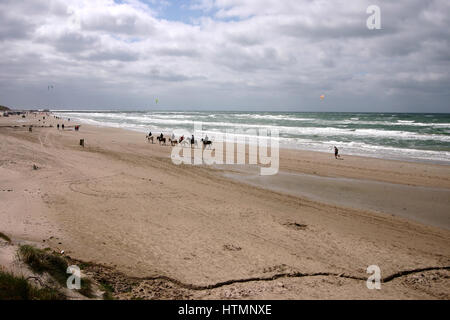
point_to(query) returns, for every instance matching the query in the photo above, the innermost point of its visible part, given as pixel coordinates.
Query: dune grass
(4, 237)
(41, 261)
(18, 288)
(107, 290)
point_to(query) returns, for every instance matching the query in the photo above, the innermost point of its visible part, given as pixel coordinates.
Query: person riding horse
(173, 140)
(161, 139)
(150, 137)
(206, 142)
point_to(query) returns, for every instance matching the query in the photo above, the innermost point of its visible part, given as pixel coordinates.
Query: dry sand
(122, 203)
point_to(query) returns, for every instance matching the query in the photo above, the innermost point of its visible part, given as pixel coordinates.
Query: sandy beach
(222, 232)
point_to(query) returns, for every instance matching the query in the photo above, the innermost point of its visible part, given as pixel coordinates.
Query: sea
(398, 136)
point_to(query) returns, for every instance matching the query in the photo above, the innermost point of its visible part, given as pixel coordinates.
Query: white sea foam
(150, 120)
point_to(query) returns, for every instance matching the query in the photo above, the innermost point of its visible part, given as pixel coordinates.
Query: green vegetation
(18, 288)
(108, 290)
(86, 288)
(4, 237)
(41, 261)
(3, 108)
(84, 265)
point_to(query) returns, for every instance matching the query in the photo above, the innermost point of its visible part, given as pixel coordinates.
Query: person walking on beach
(192, 141)
(58, 126)
(336, 152)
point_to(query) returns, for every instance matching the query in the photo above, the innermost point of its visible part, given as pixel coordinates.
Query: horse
(163, 140)
(149, 138)
(185, 142)
(206, 143)
(188, 142)
(173, 142)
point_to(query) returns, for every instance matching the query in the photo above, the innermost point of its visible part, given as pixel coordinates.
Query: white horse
(187, 142)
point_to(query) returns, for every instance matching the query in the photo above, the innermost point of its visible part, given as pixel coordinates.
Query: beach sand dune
(121, 202)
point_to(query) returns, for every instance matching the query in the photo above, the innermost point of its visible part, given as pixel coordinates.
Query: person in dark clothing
(336, 152)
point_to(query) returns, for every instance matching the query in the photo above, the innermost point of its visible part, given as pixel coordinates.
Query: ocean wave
(364, 149)
(278, 117)
(127, 120)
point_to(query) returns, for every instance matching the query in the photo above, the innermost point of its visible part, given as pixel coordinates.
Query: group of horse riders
(173, 140)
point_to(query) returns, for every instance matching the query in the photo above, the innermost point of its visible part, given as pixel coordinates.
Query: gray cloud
(112, 54)
(73, 42)
(13, 27)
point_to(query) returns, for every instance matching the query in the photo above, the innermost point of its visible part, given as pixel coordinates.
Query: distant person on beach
(336, 152)
(150, 134)
(161, 136)
(62, 126)
(57, 126)
(192, 140)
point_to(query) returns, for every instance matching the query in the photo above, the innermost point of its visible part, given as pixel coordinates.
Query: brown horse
(163, 140)
(206, 143)
(173, 142)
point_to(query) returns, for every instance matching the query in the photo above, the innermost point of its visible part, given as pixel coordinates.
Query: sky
(271, 55)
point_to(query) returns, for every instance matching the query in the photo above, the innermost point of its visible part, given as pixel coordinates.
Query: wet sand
(428, 205)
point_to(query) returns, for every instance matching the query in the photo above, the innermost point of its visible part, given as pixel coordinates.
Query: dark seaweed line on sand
(288, 275)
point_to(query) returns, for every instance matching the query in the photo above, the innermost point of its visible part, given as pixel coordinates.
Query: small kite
(322, 97)
(156, 100)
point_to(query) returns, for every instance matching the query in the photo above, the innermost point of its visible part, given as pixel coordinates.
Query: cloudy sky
(225, 54)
